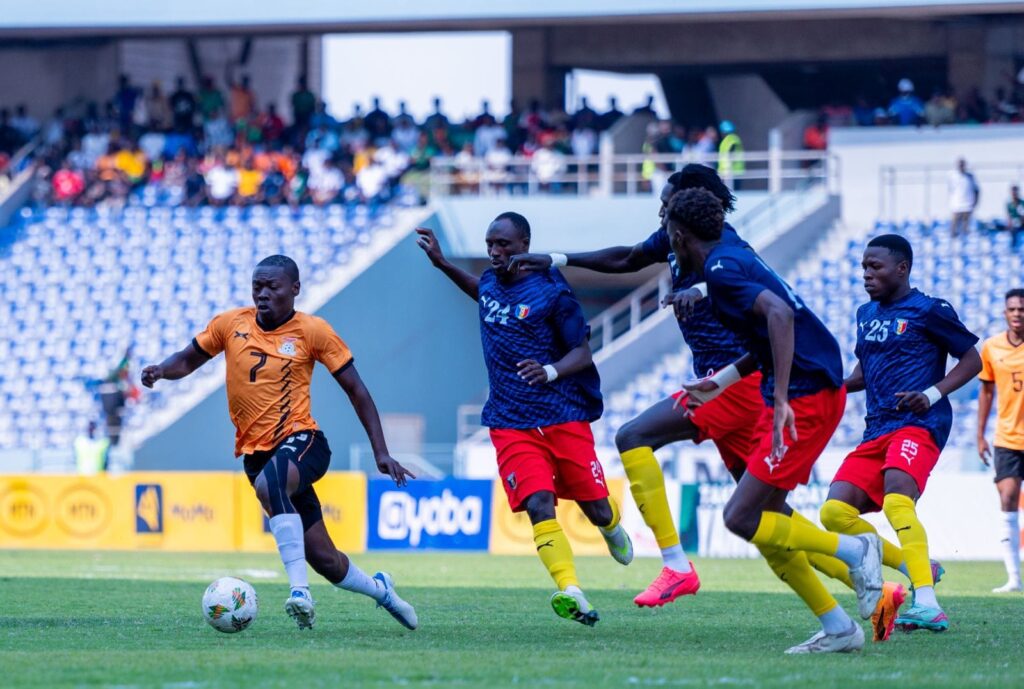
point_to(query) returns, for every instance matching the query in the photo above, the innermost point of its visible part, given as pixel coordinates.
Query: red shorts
(560, 459)
(729, 419)
(817, 417)
(910, 449)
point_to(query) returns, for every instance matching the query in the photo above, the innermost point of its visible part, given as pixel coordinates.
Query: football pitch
(78, 619)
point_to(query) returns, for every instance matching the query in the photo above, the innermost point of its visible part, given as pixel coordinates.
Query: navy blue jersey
(713, 346)
(536, 317)
(902, 347)
(735, 277)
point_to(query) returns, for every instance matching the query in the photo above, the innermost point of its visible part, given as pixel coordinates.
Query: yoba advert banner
(452, 514)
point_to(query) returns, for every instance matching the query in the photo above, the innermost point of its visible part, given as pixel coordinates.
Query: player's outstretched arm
(366, 410)
(470, 284)
(614, 259)
(965, 370)
(985, 396)
(177, 365)
(855, 381)
(574, 361)
(708, 388)
(779, 318)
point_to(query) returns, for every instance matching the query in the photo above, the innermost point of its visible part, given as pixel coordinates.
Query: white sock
(1011, 545)
(925, 595)
(674, 557)
(287, 530)
(851, 550)
(359, 581)
(835, 621)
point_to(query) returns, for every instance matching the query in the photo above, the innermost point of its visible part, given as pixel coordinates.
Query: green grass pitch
(81, 619)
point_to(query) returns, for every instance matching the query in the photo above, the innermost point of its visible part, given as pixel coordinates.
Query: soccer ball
(230, 605)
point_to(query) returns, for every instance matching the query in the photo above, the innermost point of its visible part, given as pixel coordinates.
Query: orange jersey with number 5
(1003, 364)
(269, 371)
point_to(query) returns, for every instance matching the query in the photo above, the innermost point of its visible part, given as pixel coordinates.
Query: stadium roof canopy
(29, 19)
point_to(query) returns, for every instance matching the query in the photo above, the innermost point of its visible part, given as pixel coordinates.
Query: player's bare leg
(1009, 501)
(663, 423)
(605, 515)
(336, 567)
(555, 553)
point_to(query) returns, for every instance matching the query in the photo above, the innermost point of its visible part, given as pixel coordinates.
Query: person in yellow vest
(91, 452)
(730, 155)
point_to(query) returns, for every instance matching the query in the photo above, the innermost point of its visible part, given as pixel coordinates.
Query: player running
(1002, 361)
(544, 392)
(903, 340)
(728, 420)
(270, 350)
(804, 396)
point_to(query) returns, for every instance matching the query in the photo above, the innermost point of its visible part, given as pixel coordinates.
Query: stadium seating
(972, 272)
(80, 286)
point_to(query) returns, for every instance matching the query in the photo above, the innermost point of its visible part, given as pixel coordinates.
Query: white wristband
(727, 376)
(559, 260)
(702, 287)
(552, 373)
(933, 395)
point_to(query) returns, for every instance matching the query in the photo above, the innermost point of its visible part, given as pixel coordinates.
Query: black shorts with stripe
(311, 454)
(1009, 463)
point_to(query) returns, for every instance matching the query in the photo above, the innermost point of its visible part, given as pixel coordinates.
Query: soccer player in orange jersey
(1002, 377)
(270, 350)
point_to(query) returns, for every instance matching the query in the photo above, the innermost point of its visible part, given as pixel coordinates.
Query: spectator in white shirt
(221, 182)
(496, 165)
(584, 142)
(405, 133)
(218, 131)
(487, 134)
(547, 164)
(963, 198)
(326, 183)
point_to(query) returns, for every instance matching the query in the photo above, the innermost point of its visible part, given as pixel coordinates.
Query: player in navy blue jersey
(802, 387)
(904, 339)
(544, 392)
(728, 420)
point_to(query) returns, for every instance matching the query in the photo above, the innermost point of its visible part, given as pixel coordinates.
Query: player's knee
(627, 437)
(837, 516)
(739, 522)
(599, 512)
(540, 506)
(1009, 502)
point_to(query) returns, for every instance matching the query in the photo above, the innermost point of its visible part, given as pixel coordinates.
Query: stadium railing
(607, 174)
(921, 190)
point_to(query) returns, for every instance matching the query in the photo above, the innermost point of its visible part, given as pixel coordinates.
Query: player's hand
(984, 451)
(390, 466)
(151, 374)
(784, 420)
(682, 302)
(916, 402)
(428, 242)
(532, 372)
(698, 392)
(529, 263)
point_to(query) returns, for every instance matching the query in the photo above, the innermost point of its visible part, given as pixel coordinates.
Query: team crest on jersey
(511, 480)
(901, 326)
(287, 346)
(522, 311)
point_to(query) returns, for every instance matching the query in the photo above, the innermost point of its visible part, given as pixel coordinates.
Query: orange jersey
(1003, 364)
(268, 372)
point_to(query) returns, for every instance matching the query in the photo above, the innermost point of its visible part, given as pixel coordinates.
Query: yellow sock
(832, 567)
(902, 514)
(792, 567)
(647, 484)
(841, 517)
(556, 554)
(780, 531)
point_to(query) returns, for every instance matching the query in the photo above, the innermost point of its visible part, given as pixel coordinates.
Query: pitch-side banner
(451, 514)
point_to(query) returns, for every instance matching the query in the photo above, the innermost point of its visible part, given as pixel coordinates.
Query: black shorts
(1009, 463)
(312, 456)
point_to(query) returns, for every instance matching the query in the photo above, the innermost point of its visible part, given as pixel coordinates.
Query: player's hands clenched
(529, 263)
(532, 372)
(984, 451)
(682, 302)
(151, 374)
(916, 402)
(390, 466)
(428, 242)
(784, 420)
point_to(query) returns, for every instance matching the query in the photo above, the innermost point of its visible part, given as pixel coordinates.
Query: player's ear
(296, 287)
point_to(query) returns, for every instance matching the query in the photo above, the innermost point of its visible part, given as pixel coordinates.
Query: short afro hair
(289, 266)
(898, 246)
(698, 210)
(1015, 292)
(518, 221)
(696, 176)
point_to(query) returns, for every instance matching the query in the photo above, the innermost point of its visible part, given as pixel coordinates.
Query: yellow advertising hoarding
(203, 511)
(512, 534)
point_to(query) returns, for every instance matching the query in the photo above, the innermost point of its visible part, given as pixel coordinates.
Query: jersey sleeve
(988, 374)
(569, 322)
(327, 348)
(656, 247)
(211, 341)
(945, 328)
(731, 288)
